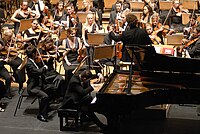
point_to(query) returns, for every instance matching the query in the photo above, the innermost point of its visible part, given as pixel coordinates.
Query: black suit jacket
(113, 15)
(34, 75)
(132, 36)
(77, 90)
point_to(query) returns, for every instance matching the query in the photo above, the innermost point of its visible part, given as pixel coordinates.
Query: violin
(80, 55)
(119, 46)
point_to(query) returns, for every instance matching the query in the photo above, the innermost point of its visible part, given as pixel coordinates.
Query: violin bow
(167, 16)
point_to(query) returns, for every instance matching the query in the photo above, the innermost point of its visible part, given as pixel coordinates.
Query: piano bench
(71, 117)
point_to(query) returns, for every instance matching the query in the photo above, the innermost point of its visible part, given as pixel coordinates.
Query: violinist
(4, 72)
(48, 53)
(12, 55)
(37, 6)
(36, 85)
(19, 14)
(88, 7)
(32, 34)
(175, 16)
(71, 57)
(193, 22)
(58, 12)
(193, 45)
(153, 36)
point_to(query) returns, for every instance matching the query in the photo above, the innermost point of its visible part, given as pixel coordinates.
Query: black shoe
(42, 118)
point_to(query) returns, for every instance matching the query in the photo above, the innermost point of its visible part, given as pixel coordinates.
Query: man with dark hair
(77, 96)
(133, 35)
(35, 85)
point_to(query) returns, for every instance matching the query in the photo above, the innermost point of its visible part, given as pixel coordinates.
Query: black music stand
(103, 51)
(131, 50)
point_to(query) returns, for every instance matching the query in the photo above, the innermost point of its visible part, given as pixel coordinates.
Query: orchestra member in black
(4, 72)
(35, 85)
(132, 36)
(77, 96)
(31, 35)
(49, 53)
(194, 47)
(9, 41)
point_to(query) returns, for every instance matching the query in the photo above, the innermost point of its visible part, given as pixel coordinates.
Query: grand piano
(155, 79)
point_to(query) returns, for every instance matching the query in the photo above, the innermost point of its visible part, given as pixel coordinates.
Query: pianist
(77, 96)
(132, 36)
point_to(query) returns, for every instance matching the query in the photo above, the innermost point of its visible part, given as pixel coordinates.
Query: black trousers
(5, 75)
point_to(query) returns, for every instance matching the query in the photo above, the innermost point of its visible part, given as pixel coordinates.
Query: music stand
(185, 18)
(63, 35)
(174, 39)
(104, 51)
(191, 5)
(165, 5)
(53, 2)
(25, 24)
(135, 5)
(96, 38)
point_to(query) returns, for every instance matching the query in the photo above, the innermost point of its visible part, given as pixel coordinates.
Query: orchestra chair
(21, 79)
(136, 5)
(165, 5)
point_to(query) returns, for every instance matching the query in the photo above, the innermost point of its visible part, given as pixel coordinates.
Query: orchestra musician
(74, 20)
(193, 22)
(32, 34)
(24, 12)
(116, 14)
(154, 38)
(49, 55)
(90, 26)
(132, 36)
(175, 16)
(192, 45)
(13, 60)
(74, 46)
(58, 12)
(4, 72)
(37, 6)
(35, 84)
(87, 7)
(146, 15)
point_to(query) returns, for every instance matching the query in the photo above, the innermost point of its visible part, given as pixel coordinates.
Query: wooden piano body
(157, 79)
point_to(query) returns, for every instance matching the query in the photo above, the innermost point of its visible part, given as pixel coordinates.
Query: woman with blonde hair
(90, 26)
